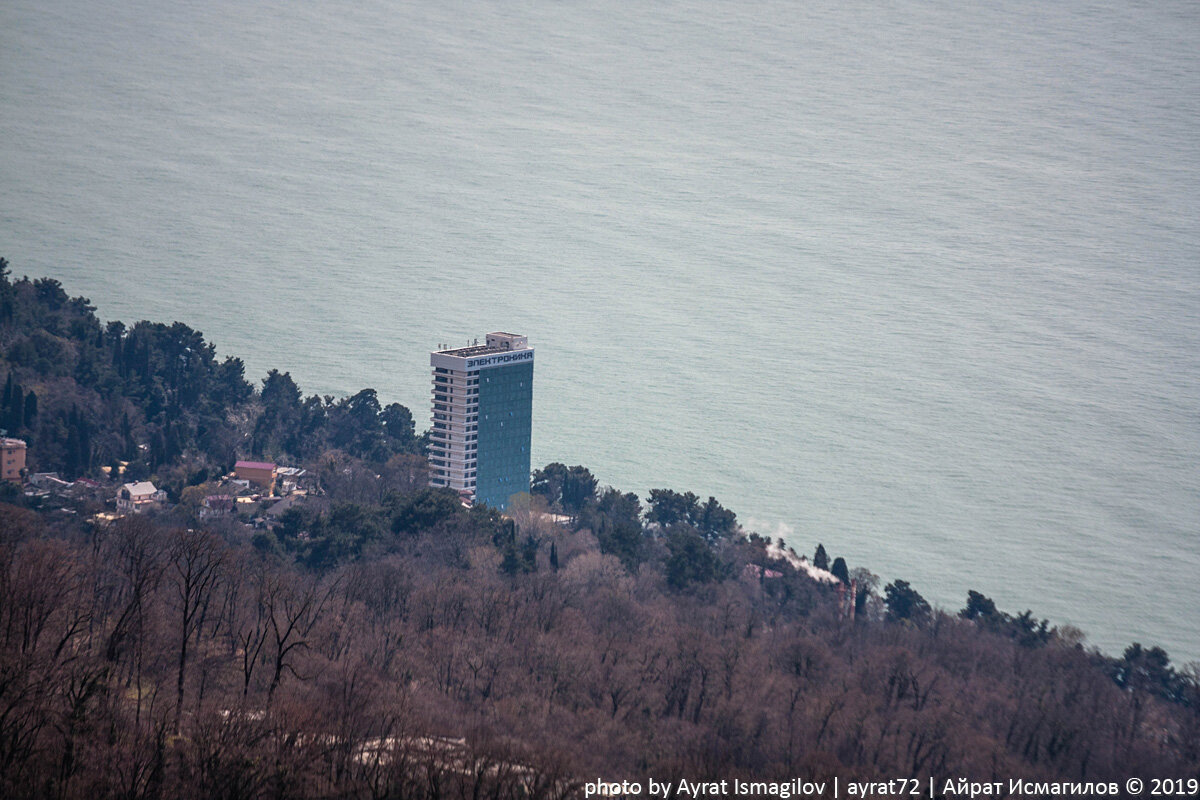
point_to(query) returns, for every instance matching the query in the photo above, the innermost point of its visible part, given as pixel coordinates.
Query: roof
(489, 347)
(141, 487)
(283, 505)
(253, 465)
(473, 350)
(47, 478)
(18, 443)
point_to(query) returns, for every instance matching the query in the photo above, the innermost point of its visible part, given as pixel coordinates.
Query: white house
(136, 496)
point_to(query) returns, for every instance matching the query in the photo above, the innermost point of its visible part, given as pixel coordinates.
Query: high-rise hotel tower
(483, 418)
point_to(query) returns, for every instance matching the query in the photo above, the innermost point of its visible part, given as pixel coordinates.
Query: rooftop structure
(483, 418)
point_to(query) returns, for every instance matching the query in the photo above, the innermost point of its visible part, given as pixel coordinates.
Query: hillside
(378, 640)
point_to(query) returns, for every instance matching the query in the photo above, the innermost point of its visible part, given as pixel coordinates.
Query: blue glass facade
(505, 431)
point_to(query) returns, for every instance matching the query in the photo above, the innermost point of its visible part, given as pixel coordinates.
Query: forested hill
(86, 395)
(369, 637)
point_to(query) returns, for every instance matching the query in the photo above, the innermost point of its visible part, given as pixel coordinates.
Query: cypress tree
(85, 444)
(30, 408)
(126, 346)
(71, 460)
(127, 437)
(821, 558)
(6, 293)
(511, 564)
(17, 408)
(840, 571)
(158, 449)
(529, 553)
(8, 419)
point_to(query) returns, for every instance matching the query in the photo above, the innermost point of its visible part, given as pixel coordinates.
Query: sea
(918, 281)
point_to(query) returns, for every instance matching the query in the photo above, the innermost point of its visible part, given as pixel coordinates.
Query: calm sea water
(917, 280)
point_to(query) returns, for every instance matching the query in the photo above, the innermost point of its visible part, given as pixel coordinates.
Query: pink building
(12, 459)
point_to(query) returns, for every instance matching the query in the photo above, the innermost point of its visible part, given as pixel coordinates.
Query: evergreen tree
(978, 605)
(905, 603)
(578, 488)
(821, 558)
(548, 482)
(12, 407)
(511, 564)
(668, 507)
(85, 444)
(130, 446)
(72, 460)
(15, 412)
(691, 560)
(7, 306)
(399, 427)
(529, 552)
(840, 571)
(715, 521)
(31, 408)
(615, 519)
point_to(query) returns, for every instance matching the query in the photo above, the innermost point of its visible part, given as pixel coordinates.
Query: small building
(756, 572)
(216, 505)
(276, 510)
(135, 497)
(48, 483)
(12, 459)
(48, 480)
(293, 479)
(86, 488)
(260, 473)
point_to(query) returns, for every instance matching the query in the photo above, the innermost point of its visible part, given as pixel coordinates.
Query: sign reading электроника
(499, 359)
(482, 361)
